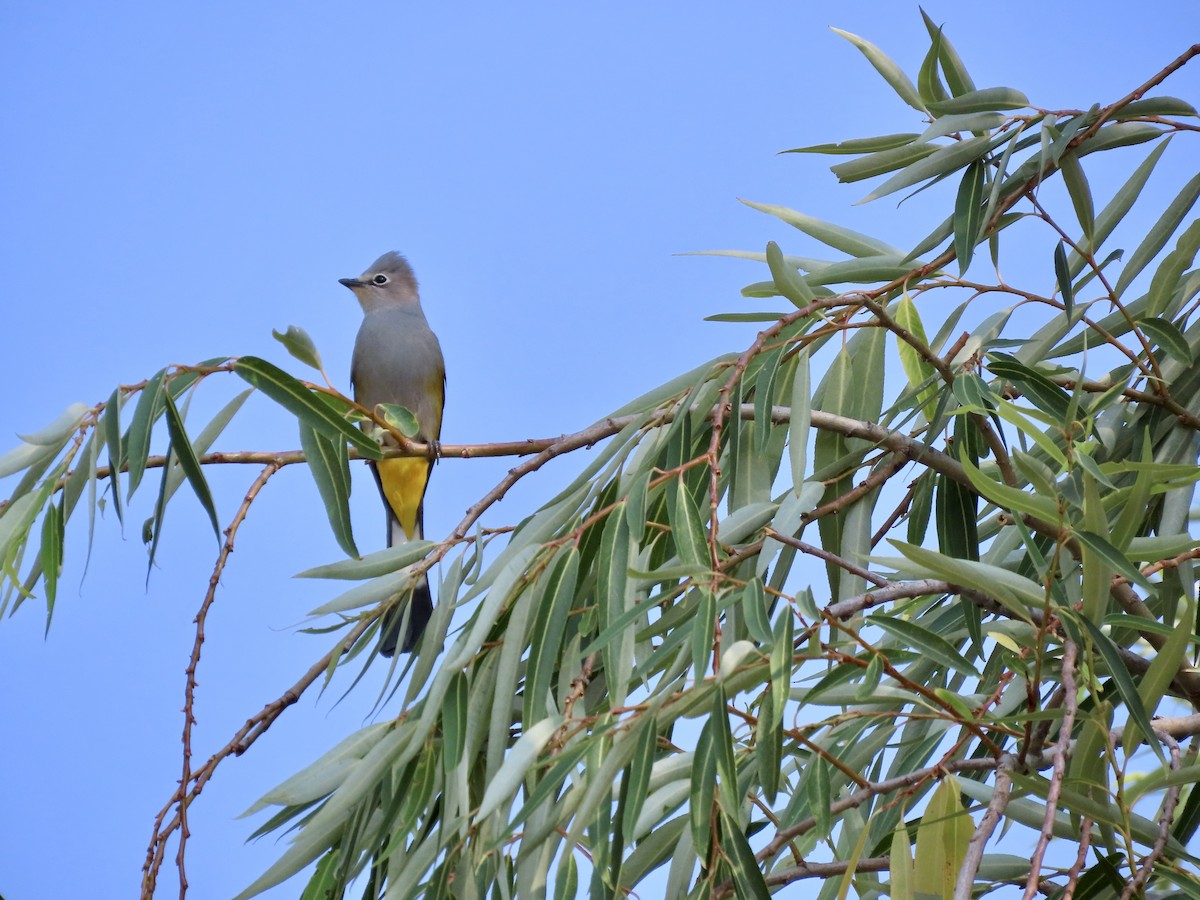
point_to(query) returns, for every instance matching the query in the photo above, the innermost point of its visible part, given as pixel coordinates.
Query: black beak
(351, 283)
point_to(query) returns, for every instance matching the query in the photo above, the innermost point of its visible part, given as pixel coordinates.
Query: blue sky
(179, 179)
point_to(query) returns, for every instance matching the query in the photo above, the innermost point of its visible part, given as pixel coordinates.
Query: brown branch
(833, 558)
(1059, 773)
(241, 741)
(1165, 820)
(812, 870)
(978, 841)
(189, 718)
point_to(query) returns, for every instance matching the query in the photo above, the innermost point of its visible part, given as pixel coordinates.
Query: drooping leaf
(944, 160)
(304, 404)
(136, 446)
(856, 146)
(942, 839)
(300, 345)
(968, 214)
(182, 451)
(329, 464)
(1159, 233)
(982, 100)
(891, 72)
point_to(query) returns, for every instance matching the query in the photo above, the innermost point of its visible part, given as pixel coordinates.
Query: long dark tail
(419, 608)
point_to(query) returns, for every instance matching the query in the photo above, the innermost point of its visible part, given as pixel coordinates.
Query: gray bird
(397, 359)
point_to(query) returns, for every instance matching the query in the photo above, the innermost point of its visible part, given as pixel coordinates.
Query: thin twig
(189, 718)
(1059, 773)
(995, 811)
(242, 740)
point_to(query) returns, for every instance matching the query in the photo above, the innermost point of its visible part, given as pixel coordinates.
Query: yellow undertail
(403, 483)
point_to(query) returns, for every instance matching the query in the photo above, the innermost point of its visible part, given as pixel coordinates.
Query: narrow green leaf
(516, 763)
(1169, 272)
(1011, 498)
(1040, 390)
(836, 236)
(916, 367)
(26, 456)
(57, 432)
(856, 146)
(1167, 335)
(455, 706)
(300, 345)
(782, 648)
(1114, 558)
(546, 635)
(972, 122)
(787, 280)
(51, 555)
(325, 879)
(686, 528)
(1063, 274)
(152, 527)
(900, 866)
(1158, 235)
(329, 464)
(957, 77)
(149, 407)
(968, 214)
(932, 646)
(1155, 106)
(566, 883)
(882, 162)
(764, 401)
(747, 876)
(768, 746)
(373, 565)
(1067, 131)
(181, 450)
(399, 417)
(957, 505)
(704, 786)
(1000, 173)
(702, 630)
(868, 270)
(942, 839)
(304, 404)
(1165, 665)
(929, 84)
(1080, 193)
(982, 100)
(635, 786)
(801, 422)
(819, 789)
(1124, 682)
(116, 452)
(944, 160)
(1120, 134)
(745, 317)
(1117, 207)
(1016, 592)
(891, 72)
(753, 606)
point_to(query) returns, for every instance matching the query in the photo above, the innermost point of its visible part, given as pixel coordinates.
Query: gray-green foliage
(733, 647)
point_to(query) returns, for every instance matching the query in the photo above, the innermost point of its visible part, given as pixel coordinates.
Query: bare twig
(1165, 819)
(189, 718)
(1059, 773)
(995, 810)
(241, 741)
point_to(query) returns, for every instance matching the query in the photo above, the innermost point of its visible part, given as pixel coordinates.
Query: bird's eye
(379, 279)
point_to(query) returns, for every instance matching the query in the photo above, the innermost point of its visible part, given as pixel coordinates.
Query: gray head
(388, 281)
